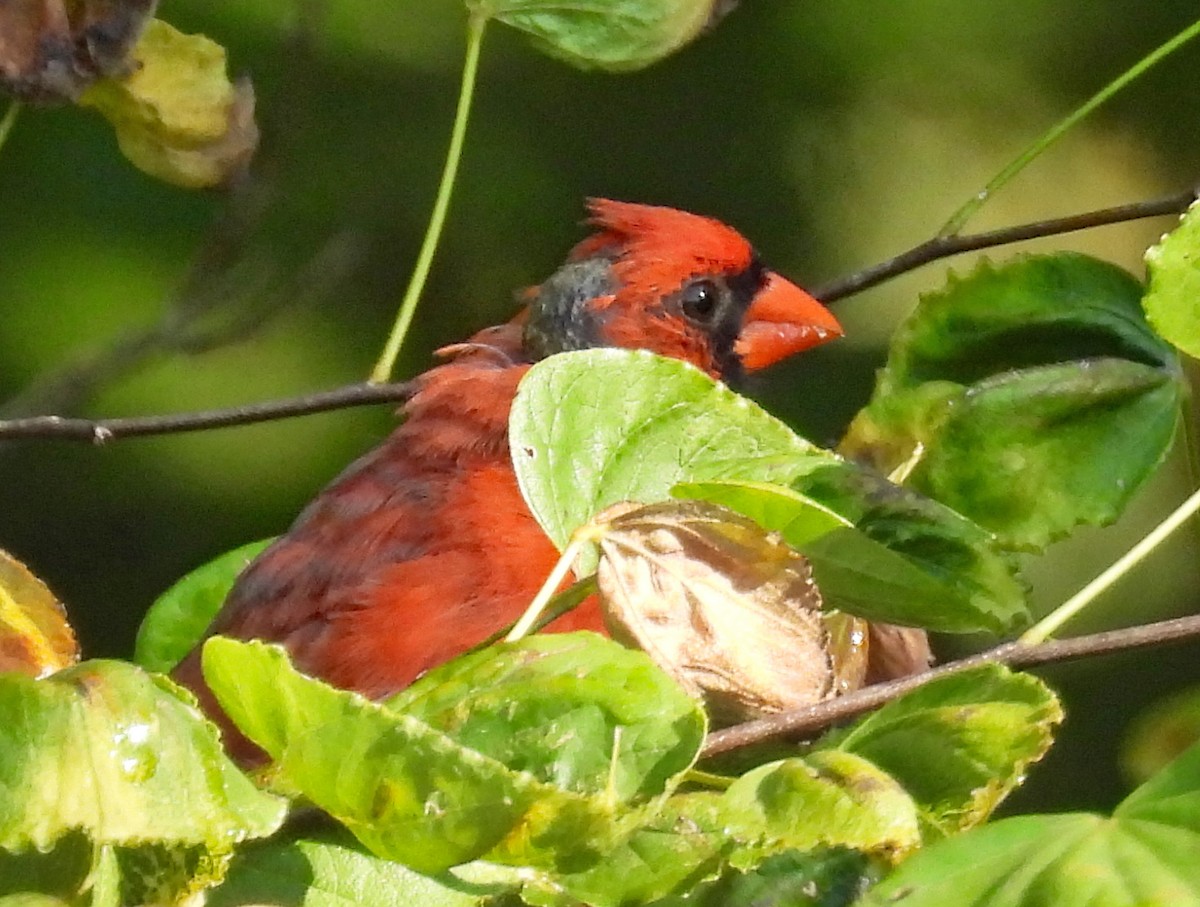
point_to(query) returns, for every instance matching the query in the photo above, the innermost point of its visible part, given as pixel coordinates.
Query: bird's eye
(699, 300)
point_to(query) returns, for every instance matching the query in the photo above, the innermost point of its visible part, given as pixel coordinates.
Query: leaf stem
(967, 211)
(1044, 628)
(708, 779)
(382, 372)
(529, 619)
(10, 117)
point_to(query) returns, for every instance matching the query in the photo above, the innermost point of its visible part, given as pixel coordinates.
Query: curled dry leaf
(51, 50)
(177, 115)
(35, 638)
(726, 608)
(896, 652)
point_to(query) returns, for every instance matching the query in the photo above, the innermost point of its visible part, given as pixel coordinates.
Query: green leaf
(777, 821)
(592, 428)
(703, 845)
(1172, 300)
(176, 114)
(1037, 451)
(884, 552)
(1035, 310)
(178, 618)
(822, 878)
(331, 870)
(679, 844)
(958, 744)
(404, 789)
(797, 517)
(1030, 398)
(1171, 799)
(1144, 854)
(616, 35)
(105, 750)
(823, 799)
(573, 710)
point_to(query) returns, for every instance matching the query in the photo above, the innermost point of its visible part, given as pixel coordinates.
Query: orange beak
(782, 320)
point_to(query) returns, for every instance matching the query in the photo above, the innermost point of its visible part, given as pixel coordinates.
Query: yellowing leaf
(35, 637)
(726, 608)
(177, 115)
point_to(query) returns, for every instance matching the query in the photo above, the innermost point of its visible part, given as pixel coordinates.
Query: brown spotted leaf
(726, 608)
(35, 638)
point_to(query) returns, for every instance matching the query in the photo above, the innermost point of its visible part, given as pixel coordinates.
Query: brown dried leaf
(35, 637)
(726, 608)
(51, 50)
(897, 652)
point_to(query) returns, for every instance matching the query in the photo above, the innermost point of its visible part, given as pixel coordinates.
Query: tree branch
(945, 246)
(101, 431)
(809, 720)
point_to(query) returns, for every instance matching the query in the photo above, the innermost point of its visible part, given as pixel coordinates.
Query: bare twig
(945, 246)
(809, 720)
(59, 428)
(100, 431)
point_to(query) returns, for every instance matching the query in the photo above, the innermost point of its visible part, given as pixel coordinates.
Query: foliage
(180, 615)
(1031, 397)
(1143, 854)
(1021, 401)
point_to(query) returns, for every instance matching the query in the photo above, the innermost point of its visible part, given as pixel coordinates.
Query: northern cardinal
(424, 547)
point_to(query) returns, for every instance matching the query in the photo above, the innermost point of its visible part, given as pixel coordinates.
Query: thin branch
(945, 246)
(1061, 128)
(809, 720)
(101, 431)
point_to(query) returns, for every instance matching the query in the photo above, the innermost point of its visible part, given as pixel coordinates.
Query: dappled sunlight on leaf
(959, 744)
(104, 751)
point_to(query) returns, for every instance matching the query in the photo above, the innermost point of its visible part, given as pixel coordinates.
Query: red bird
(424, 547)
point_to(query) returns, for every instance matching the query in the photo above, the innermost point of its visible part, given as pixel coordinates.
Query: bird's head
(677, 284)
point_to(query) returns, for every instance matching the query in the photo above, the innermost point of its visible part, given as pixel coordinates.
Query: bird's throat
(560, 318)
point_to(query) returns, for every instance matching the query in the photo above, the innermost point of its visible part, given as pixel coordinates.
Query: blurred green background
(833, 134)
